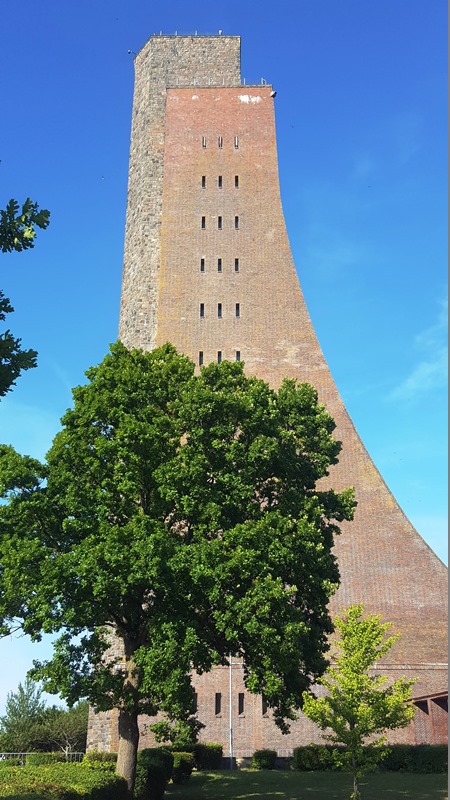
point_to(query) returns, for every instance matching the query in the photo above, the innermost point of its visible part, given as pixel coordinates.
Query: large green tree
(66, 728)
(28, 724)
(22, 723)
(360, 704)
(180, 517)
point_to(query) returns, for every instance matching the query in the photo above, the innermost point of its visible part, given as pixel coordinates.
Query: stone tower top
(192, 60)
(163, 62)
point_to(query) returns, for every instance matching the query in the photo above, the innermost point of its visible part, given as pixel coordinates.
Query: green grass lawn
(291, 785)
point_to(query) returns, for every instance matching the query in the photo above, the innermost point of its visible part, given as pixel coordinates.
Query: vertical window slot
(236, 181)
(219, 181)
(200, 358)
(220, 141)
(203, 141)
(202, 265)
(218, 703)
(202, 309)
(203, 181)
(203, 223)
(219, 356)
(219, 310)
(219, 265)
(219, 223)
(238, 355)
(236, 222)
(241, 703)
(236, 265)
(238, 309)
(236, 142)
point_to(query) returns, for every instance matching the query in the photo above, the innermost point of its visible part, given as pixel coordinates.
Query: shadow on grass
(247, 785)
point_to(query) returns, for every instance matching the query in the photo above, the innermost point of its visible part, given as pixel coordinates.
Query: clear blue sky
(361, 124)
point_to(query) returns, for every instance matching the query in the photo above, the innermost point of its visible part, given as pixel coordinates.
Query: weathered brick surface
(164, 61)
(382, 559)
(438, 728)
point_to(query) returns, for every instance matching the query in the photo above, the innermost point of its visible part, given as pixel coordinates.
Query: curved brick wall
(202, 156)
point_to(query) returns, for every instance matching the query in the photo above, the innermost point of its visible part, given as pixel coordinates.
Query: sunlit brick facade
(208, 267)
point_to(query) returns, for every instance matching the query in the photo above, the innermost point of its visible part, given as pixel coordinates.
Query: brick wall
(162, 62)
(383, 561)
(210, 152)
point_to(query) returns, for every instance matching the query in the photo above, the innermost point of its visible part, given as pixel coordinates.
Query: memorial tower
(208, 267)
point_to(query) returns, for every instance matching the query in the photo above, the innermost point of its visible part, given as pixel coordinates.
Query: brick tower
(208, 267)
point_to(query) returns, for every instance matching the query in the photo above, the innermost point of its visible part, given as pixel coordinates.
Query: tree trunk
(355, 794)
(128, 746)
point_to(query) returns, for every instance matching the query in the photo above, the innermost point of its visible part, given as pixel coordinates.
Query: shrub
(100, 759)
(153, 772)
(208, 756)
(424, 758)
(38, 790)
(264, 759)
(181, 748)
(99, 756)
(313, 757)
(38, 759)
(183, 764)
(10, 761)
(64, 782)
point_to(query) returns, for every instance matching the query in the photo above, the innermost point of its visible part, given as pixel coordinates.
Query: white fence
(73, 757)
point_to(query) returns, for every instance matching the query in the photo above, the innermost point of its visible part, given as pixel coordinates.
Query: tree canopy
(17, 232)
(360, 704)
(24, 716)
(18, 225)
(13, 360)
(178, 516)
(29, 724)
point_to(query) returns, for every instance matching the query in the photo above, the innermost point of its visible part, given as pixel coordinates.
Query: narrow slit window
(219, 265)
(203, 223)
(202, 309)
(238, 355)
(264, 707)
(236, 222)
(203, 141)
(241, 703)
(236, 142)
(218, 703)
(219, 223)
(202, 265)
(238, 309)
(220, 141)
(236, 265)
(219, 356)
(219, 310)
(203, 181)
(219, 181)
(200, 358)
(236, 181)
